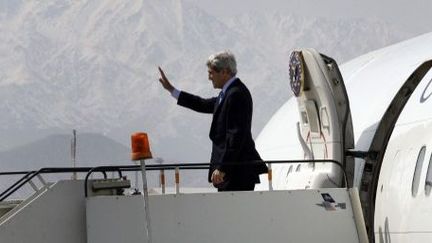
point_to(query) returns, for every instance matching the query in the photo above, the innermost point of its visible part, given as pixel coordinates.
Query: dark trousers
(238, 187)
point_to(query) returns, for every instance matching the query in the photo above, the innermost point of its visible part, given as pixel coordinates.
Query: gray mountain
(92, 150)
(55, 151)
(92, 66)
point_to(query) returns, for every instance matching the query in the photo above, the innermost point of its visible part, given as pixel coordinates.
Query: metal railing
(29, 175)
(197, 166)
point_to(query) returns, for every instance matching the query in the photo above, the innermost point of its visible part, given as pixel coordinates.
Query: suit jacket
(230, 133)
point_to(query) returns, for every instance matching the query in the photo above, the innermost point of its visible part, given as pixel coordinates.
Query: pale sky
(412, 16)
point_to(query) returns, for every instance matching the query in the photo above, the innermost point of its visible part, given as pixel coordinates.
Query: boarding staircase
(98, 210)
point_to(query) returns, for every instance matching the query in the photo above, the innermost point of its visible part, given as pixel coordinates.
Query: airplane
(379, 128)
(365, 125)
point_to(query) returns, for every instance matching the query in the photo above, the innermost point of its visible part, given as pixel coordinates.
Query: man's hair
(223, 60)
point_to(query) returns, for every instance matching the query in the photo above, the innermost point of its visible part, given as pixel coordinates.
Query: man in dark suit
(235, 163)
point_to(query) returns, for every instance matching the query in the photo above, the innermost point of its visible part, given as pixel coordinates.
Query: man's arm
(185, 99)
(236, 131)
(196, 103)
(237, 127)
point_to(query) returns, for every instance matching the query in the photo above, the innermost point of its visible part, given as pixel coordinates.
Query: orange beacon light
(140, 146)
(141, 151)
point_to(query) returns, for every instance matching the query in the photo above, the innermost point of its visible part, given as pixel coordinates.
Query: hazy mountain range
(92, 66)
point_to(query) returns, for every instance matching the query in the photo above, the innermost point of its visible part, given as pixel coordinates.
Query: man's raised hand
(164, 81)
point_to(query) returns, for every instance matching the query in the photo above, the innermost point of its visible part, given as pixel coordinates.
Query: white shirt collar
(228, 83)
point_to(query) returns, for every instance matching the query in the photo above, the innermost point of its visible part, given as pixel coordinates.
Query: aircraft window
(428, 183)
(417, 172)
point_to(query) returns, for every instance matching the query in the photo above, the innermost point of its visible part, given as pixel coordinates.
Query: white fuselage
(403, 208)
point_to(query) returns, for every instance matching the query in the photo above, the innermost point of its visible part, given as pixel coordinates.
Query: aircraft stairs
(98, 210)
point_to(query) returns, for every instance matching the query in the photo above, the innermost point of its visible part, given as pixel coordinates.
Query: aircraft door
(325, 126)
